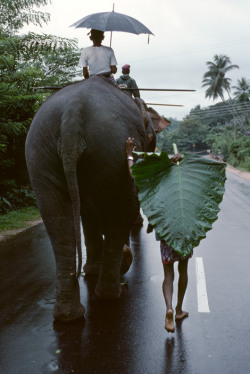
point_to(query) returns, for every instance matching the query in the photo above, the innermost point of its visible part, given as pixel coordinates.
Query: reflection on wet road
(128, 336)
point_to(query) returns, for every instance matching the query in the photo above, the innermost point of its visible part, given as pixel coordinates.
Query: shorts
(169, 255)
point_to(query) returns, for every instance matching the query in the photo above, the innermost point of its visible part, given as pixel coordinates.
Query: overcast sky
(187, 34)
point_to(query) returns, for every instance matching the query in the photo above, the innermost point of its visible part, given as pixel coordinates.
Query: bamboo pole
(158, 89)
(126, 89)
(163, 104)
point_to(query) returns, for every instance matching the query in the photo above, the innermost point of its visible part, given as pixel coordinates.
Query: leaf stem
(176, 151)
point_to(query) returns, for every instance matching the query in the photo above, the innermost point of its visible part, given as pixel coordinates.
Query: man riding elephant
(98, 59)
(126, 81)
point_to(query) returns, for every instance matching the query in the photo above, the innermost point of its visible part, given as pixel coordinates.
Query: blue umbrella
(112, 21)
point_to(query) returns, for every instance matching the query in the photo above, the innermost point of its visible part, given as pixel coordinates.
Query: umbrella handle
(110, 39)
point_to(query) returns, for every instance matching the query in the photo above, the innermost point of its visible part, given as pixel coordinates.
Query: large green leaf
(180, 201)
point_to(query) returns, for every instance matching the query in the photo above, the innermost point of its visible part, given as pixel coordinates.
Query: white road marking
(203, 306)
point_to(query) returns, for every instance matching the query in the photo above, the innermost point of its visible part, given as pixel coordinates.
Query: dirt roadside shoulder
(242, 174)
(6, 234)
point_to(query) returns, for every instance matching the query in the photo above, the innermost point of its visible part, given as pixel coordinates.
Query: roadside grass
(18, 219)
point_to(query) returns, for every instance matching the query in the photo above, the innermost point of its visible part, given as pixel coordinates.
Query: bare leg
(167, 288)
(182, 286)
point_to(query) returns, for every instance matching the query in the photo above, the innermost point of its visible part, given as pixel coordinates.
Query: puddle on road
(47, 303)
(51, 367)
(46, 328)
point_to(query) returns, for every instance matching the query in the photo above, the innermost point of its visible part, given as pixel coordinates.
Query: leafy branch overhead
(180, 201)
(26, 61)
(14, 14)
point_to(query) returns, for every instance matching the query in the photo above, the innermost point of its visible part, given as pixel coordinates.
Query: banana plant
(181, 200)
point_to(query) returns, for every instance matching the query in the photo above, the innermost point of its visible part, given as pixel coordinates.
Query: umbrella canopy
(112, 21)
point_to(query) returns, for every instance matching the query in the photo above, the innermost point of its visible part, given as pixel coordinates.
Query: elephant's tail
(70, 147)
(71, 178)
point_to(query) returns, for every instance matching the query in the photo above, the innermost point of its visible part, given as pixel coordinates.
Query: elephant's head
(153, 121)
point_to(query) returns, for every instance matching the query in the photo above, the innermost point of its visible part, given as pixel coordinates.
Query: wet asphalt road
(128, 337)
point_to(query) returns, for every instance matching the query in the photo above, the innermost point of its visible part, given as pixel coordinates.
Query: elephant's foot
(108, 292)
(92, 268)
(66, 312)
(127, 258)
(68, 307)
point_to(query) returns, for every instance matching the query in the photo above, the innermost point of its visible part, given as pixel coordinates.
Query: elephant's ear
(160, 122)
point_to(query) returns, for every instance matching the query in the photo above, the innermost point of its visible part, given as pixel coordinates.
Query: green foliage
(242, 90)
(26, 61)
(189, 136)
(16, 197)
(213, 128)
(240, 153)
(14, 14)
(220, 140)
(180, 201)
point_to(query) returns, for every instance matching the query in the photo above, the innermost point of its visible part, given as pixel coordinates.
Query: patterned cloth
(169, 256)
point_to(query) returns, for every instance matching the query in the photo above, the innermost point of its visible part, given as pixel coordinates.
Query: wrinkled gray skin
(75, 152)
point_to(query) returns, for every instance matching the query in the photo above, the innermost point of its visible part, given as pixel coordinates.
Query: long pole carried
(126, 89)
(157, 89)
(163, 104)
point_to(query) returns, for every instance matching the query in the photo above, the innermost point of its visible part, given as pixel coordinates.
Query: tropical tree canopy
(242, 90)
(14, 14)
(217, 83)
(215, 78)
(26, 61)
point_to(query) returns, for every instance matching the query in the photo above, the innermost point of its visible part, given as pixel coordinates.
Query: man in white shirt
(98, 59)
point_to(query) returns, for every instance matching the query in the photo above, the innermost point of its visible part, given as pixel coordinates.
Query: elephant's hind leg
(56, 211)
(108, 285)
(93, 241)
(68, 307)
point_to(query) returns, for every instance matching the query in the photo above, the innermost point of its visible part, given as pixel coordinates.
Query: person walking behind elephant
(98, 59)
(169, 257)
(126, 80)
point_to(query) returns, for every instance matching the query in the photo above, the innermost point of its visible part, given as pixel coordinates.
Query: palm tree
(242, 90)
(242, 95)
(217, 83)
(215, 78)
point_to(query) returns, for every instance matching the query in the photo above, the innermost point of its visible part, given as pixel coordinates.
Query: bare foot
(181, 315)
(169, 321)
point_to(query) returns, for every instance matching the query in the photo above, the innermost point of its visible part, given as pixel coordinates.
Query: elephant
(76, 159)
